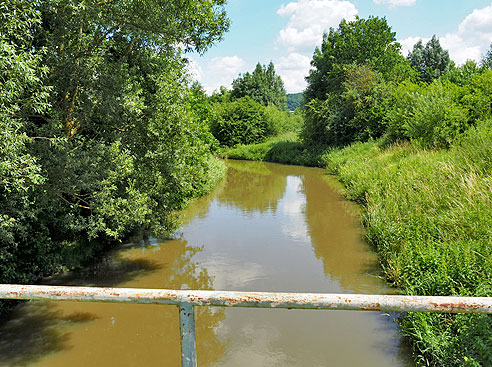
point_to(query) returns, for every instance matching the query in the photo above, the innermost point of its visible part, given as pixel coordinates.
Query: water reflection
(267, 228)
(80, 334)
(252, 186)
(337, 239)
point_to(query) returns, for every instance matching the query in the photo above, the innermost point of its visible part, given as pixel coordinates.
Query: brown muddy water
(267, 227)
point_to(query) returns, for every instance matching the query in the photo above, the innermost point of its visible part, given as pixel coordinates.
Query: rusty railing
(187, 299)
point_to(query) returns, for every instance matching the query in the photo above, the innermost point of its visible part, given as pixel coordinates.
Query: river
(267, 227)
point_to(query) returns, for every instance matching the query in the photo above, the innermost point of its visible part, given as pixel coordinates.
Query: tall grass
(429, 216)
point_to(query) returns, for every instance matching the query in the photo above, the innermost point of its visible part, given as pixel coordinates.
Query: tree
(463, 74)
(22, 96)
(263, 85)
(362, 41)
(343, 84)
(431, 61)
(101, 133)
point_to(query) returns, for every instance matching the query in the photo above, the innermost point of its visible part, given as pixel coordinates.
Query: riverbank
(428, 214)
(80, 251)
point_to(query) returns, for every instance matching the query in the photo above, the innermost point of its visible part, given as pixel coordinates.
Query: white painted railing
(187, 299)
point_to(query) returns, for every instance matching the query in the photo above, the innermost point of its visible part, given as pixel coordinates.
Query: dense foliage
(430, 61)
(263, 85)
(102, 133)
(343, 85)
(242, 121)
(360, 42)
(253, 110)
(295, 101)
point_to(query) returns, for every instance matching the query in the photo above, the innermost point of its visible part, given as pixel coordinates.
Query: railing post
(187, 330)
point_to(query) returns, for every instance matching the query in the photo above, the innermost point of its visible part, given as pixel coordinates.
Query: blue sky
(287, 32)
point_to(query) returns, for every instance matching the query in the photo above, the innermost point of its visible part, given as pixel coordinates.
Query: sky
(287, 33)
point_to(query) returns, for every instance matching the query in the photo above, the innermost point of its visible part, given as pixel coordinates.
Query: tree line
(361, 87)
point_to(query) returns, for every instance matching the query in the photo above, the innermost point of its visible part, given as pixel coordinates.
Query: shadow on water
(34, 330)
(79, 333)
(110, 271)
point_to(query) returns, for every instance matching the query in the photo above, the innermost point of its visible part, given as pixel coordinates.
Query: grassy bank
(285, 149)
(428, 214)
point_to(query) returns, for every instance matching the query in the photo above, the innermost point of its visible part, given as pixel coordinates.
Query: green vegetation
(102, 134)
(253, 110)
(430, 61)
(295, 101)
(428, 215)
(263, 85)
(344, 85)
(242, 121)
(418, 157)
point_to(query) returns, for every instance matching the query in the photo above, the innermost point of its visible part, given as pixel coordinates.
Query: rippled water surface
(265, 228)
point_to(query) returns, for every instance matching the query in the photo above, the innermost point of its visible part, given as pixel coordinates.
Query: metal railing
(187, 299)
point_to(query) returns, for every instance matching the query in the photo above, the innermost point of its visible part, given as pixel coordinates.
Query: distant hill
(294, 101)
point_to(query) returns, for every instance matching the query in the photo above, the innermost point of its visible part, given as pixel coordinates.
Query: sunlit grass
(429, 216)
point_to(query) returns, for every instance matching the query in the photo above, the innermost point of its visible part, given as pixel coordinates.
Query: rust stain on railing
(252, 299)
(187, 299)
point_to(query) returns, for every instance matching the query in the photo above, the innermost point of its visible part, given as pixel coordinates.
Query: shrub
(281, 121)
(242, 121)
(431, 115)
(478, 96)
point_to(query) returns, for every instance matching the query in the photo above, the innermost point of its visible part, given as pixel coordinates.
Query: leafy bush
(281, 121)
(431, 115)
(242, 121)
(478, 96)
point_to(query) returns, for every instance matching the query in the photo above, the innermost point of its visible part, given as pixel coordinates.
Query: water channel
(266, 227)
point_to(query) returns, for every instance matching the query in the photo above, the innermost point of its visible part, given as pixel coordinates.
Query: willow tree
(106, 125)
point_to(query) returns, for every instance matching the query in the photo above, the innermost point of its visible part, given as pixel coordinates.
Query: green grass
(428, 214)
(285, 148)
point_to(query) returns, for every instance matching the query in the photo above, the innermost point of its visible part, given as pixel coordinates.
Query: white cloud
(293, 69)
(461, 49)
(195, 70)
(396, 2)
(217, 72)
(229, 273)
(309, 19)
(471, 40)
(408, 43)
